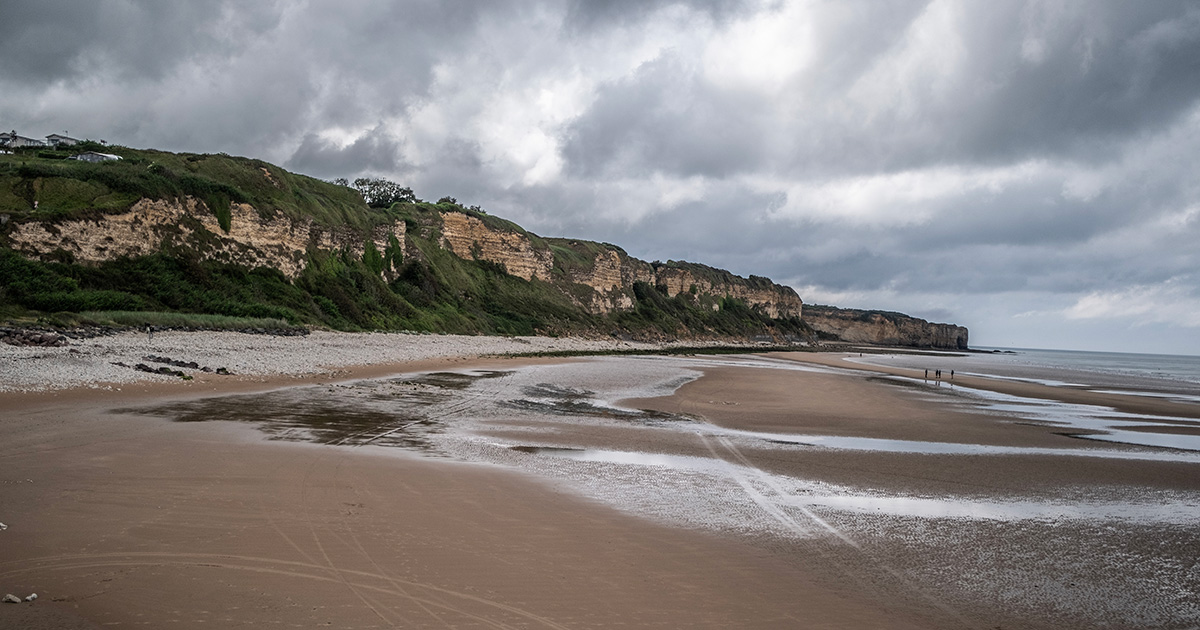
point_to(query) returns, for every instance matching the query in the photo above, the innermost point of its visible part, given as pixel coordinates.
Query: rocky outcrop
(29, 337)
(883, 328)
(470, 238)
(150, 225)
(611, 276)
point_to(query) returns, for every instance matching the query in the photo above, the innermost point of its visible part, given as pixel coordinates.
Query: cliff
(218, 234)
(883, 328)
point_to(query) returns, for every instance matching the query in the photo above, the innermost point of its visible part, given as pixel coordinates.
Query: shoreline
(1128, 403)
(261, 362)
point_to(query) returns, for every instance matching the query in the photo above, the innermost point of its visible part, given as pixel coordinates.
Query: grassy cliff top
(67, 189)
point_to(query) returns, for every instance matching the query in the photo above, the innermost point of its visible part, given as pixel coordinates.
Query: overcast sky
(1030, 170)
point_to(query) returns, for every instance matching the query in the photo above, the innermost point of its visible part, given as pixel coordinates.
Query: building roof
(103, 156)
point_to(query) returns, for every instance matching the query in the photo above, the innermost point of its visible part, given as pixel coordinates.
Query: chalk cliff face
(610, 277)
(470, 238)
(884, 328)
(150, 225)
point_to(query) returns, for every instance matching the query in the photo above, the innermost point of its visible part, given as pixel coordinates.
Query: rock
(31, 597)
(3, 527)
(11, 599)
(32, 337)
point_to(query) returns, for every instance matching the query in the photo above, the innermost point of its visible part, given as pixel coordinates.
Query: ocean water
(1172, 376)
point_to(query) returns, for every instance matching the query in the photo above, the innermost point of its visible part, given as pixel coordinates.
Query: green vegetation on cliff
(65, 188)
(417, 284)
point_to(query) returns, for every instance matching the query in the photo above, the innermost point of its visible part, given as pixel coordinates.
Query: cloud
(372, 151)
(968, 160)
(1174, 302)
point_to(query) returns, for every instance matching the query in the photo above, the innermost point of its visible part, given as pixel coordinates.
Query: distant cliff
(883, 328)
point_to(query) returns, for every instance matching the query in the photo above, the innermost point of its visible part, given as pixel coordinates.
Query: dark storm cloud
(662, 118)
(373, 152)
(591, 14)
(456, 171)
(1120, 70)
(224, 76)
(1019, 80)
(48, 41)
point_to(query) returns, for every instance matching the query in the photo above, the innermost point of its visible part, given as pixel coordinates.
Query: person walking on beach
(927, 374)
(149, 332)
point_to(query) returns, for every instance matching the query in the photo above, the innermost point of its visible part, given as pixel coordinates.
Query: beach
(364, 481)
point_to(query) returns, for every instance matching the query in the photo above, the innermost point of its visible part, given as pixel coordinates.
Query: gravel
(94, 362)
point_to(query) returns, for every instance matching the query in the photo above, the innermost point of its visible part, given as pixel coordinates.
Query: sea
(1160, 375)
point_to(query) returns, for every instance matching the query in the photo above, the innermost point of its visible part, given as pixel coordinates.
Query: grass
(67, 189)
(573, 256)
(159, 319)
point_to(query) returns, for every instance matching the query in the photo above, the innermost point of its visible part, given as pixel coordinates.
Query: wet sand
(132, 521)
(778, 401)
(127, 519)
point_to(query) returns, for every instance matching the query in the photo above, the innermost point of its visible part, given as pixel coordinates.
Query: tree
(382, 193)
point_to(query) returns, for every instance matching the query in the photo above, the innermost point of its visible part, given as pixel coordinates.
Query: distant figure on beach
(149, 333)
(952, 375)
(938, 375)
(927, 374)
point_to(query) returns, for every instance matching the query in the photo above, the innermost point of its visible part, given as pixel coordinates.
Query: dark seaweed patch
(302, 416)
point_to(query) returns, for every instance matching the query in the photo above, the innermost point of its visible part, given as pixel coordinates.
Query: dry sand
(125, 520)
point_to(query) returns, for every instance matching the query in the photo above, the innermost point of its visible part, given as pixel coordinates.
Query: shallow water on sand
(1168, 375)
(1085, 550)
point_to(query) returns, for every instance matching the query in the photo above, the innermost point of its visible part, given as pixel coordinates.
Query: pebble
(109, 358)
(11, 599)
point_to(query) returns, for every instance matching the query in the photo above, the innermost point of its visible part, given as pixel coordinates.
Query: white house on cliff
(11, 140)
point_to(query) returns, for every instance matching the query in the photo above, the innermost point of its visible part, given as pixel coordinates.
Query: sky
(1030, 170)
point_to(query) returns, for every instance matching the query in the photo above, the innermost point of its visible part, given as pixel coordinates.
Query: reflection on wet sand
(1160, 508)
(376, 412)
